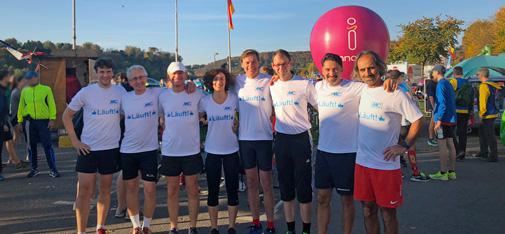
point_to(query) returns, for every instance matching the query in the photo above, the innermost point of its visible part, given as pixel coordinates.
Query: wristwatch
(404, 145)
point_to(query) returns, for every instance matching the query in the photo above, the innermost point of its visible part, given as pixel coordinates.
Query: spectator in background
(10, 135)
(488, 112)
(123, 80)
(464, 106)
(431, 87)
(4, 110)
(444, 117)
(37, 112)
(267, 70)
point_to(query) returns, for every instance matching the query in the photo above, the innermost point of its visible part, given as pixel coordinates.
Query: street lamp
(215, 54)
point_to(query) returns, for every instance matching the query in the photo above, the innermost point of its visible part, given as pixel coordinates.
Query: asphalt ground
(473, 203)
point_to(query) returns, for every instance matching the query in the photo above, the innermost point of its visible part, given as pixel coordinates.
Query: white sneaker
(241, 185)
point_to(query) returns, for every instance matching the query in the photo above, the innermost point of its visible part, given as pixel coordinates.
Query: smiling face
(282, 66)
(105, 76)
(251, 66)
(177, 79)
(219, 82)
(138, 80)
(368, 70)
(332, 72)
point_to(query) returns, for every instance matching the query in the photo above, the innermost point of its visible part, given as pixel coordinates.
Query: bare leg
(149, 199)
(323, 210)
(451, 154)
(370, 213)
(102, 206)
(390, 220)
(85, 189)
(349, 212)
(268, 194)
(173, 200)
(232, 216)
(253, 192)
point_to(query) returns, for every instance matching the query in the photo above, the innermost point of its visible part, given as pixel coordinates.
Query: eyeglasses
(137, 78)
(281, 64)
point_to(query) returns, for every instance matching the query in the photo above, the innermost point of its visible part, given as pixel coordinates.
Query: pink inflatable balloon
(346, 31)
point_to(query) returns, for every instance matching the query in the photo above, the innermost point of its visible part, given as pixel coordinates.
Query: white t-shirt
(141, 121)
(101, 117)
(380, 115)
(338, 116)
(290, 99)
(220, 137)
(181, 136)
(255, 107)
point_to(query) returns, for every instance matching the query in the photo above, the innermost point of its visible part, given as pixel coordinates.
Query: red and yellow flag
(231, 10)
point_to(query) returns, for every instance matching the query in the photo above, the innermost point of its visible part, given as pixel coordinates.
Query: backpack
(464, 95)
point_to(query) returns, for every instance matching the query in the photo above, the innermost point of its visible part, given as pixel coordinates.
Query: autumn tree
(425, 40)
(477, 35)
(499, 31)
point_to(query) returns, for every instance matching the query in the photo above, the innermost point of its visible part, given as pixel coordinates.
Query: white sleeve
(77, 101)
(408, 109)
(201, 105)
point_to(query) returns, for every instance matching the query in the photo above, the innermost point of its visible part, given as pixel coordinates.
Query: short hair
(208, 78)
(380, 65)
(134, 67)
(484, 72)
(104, 63)
(332, 57)
(393, 74)
(4, 73)
(249, 52)
(458, 70)
(283, 53)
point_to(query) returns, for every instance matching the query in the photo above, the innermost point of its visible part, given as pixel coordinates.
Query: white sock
(81, 233)
(135, 220)
(147, 222)
(100, 226)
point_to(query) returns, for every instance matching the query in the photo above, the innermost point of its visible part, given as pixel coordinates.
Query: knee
(84, 192)
(370, 210)
(149, 191)
(193, 190)
(252, 183)
(388, 214)
(323, 199)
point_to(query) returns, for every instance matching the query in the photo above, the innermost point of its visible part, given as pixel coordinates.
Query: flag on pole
(231, 10)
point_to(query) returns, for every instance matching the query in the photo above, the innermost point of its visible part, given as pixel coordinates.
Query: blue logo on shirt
(220, 117)
(148, 104)
(259, 88)
(252, 99)
(104, 112)
(143, 115)
(176, 114)
(227, 108)
(376, 105)
(336, 94)
(286, 103)
(330, 105)
(291, 93)
(374, 117)
(114, 101)
(186, 104)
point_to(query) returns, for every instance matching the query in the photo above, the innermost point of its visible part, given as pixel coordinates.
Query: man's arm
(21, 106)
(68, 115)
(483, 96)
(51, 104)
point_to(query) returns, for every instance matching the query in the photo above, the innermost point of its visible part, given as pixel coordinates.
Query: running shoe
(420, 178)
(173, 231)
(231, 231)
(32, 173)
(214, 231)
(460, 156)
(432, 142)
(253, 229)
(54, 174)
(451, 175)
(439, 176)
(120, 213)
(146, 230)
(137, 230)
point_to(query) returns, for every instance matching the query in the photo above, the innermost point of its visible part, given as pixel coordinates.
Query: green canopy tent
(496, 65)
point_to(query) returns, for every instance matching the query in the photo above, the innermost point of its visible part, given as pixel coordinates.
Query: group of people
(26, 107)
(357, 155)
(453, 102)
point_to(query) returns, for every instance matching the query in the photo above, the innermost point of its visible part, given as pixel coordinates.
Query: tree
(425, 40)
(499, 31)
(477, 35)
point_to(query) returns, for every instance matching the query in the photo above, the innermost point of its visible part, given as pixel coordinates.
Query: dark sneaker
(432, 142)
(270, 231)
(460, 156)
(481, 155)
(54, 174)
(420, 178)
(192, 231)
(146, 230)
(173, 231)
(120, 214)
(253, 229)
(492, 159)
(32, 173)
(214, 231)
(231, 231)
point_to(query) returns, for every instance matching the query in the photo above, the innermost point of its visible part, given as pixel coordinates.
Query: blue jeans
(37, 130)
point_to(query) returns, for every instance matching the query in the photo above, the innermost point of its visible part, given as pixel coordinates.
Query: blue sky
(261, 24)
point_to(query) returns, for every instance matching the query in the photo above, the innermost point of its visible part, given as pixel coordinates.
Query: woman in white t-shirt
(221, 144)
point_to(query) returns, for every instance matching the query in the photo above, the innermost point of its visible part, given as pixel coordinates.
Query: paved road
(474, 203)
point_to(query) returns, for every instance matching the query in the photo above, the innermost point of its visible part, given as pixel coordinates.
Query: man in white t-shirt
(378, 179)
(139, 147)
(338, 104)
(98, 145)
(255, 137)
(180, 144)
(291, 95)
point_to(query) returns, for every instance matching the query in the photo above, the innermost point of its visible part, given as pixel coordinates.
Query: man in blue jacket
(444, 117)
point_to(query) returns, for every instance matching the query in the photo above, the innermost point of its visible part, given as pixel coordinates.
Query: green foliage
(425, 40)
(154, 60)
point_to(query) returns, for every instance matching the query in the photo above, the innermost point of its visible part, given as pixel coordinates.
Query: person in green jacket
(37, 112)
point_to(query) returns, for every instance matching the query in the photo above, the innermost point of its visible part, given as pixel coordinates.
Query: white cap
(175, 66)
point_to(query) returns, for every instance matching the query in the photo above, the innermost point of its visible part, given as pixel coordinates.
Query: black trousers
(461, 126)
(213, 165)
(487, 138)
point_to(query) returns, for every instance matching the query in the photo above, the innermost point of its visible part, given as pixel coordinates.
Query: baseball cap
(175, 66)
(30, 74)
(439, 68)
